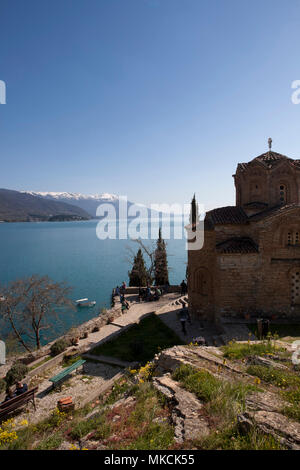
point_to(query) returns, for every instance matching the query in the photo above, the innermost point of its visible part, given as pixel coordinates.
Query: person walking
(183, 318)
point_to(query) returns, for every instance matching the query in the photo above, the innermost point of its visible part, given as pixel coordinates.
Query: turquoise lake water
(71, 252)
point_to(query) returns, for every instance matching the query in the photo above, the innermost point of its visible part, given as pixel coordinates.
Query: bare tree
(31, 305)
(149, 251)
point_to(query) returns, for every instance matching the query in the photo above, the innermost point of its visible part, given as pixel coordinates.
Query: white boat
(85, 302)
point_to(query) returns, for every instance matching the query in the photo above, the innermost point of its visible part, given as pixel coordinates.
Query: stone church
(250, 260)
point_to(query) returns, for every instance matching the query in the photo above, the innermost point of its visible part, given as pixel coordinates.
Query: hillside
(87, 202)
(22, 207)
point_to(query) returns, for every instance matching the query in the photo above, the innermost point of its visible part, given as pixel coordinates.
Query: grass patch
(292, 412)
(202, 383)
(231, 439)
(50, 443)
(68, 361)
(155, 437)
(223, 399)
(141, 342)
(234, 350)
(96, 423)
(46, 359)
(274, 376)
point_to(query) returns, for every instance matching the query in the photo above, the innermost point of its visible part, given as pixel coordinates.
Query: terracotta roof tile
(273, 211)
(227, 215)
(237, 245)
(269, 159)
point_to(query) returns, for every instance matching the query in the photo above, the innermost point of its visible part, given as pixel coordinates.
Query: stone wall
(237, 284)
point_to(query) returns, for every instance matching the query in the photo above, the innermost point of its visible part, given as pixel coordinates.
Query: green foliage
(58, 347)
(274, 376)
(161, 272)
(51, 442)
(117, 391)
(223, 399)
(234, 350)
(202, 383)
(231, 439)
(156, 437)
(96, 423)
(16, 373)
(69, 360)
(292, 411)
(151, 331)
(138, 276)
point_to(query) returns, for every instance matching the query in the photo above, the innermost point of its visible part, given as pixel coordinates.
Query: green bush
(17, 372)
(58, 347)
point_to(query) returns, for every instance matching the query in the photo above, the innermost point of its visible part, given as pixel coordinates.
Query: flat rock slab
(197, 356)
(264, 401)
(264, 361)
(287, 432)
(187, 411)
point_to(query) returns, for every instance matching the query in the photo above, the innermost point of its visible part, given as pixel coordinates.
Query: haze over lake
(71, 252)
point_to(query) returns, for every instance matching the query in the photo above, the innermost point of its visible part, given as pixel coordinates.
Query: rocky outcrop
(264, 401)
(196, 356)
(287, 432)
(264, 361)
(187, 412)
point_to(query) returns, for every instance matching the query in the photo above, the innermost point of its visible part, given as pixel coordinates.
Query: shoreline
(87, 327)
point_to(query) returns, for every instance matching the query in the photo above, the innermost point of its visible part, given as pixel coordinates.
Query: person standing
(183, 288)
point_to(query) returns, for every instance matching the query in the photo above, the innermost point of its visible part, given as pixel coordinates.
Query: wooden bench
(67, 371)
(13, 404)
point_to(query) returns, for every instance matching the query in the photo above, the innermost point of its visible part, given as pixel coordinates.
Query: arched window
(292, 238)
(282, 194)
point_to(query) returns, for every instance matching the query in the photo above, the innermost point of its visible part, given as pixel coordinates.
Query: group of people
(120, 291)
(146, 294)
(20, 388)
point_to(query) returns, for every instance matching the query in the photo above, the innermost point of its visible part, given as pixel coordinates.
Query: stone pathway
(134, 314)
(169, 314)
(80, 385)
(95, 375)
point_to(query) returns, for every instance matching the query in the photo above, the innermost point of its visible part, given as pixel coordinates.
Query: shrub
(58, 347)
(17, 372)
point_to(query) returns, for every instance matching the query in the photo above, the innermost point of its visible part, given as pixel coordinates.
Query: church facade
(250, 259)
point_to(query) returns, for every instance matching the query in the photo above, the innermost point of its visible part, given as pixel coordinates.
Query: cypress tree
(194, 214)
(138, 276)
(161, 262)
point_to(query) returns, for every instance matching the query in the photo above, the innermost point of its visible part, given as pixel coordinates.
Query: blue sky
(153, 99)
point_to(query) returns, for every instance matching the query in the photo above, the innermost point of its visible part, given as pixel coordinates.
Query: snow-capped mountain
(87, 202)
(75, 196)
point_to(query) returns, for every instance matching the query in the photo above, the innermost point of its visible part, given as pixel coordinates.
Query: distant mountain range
(29, 206)
(87, 202)
(18, 206)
